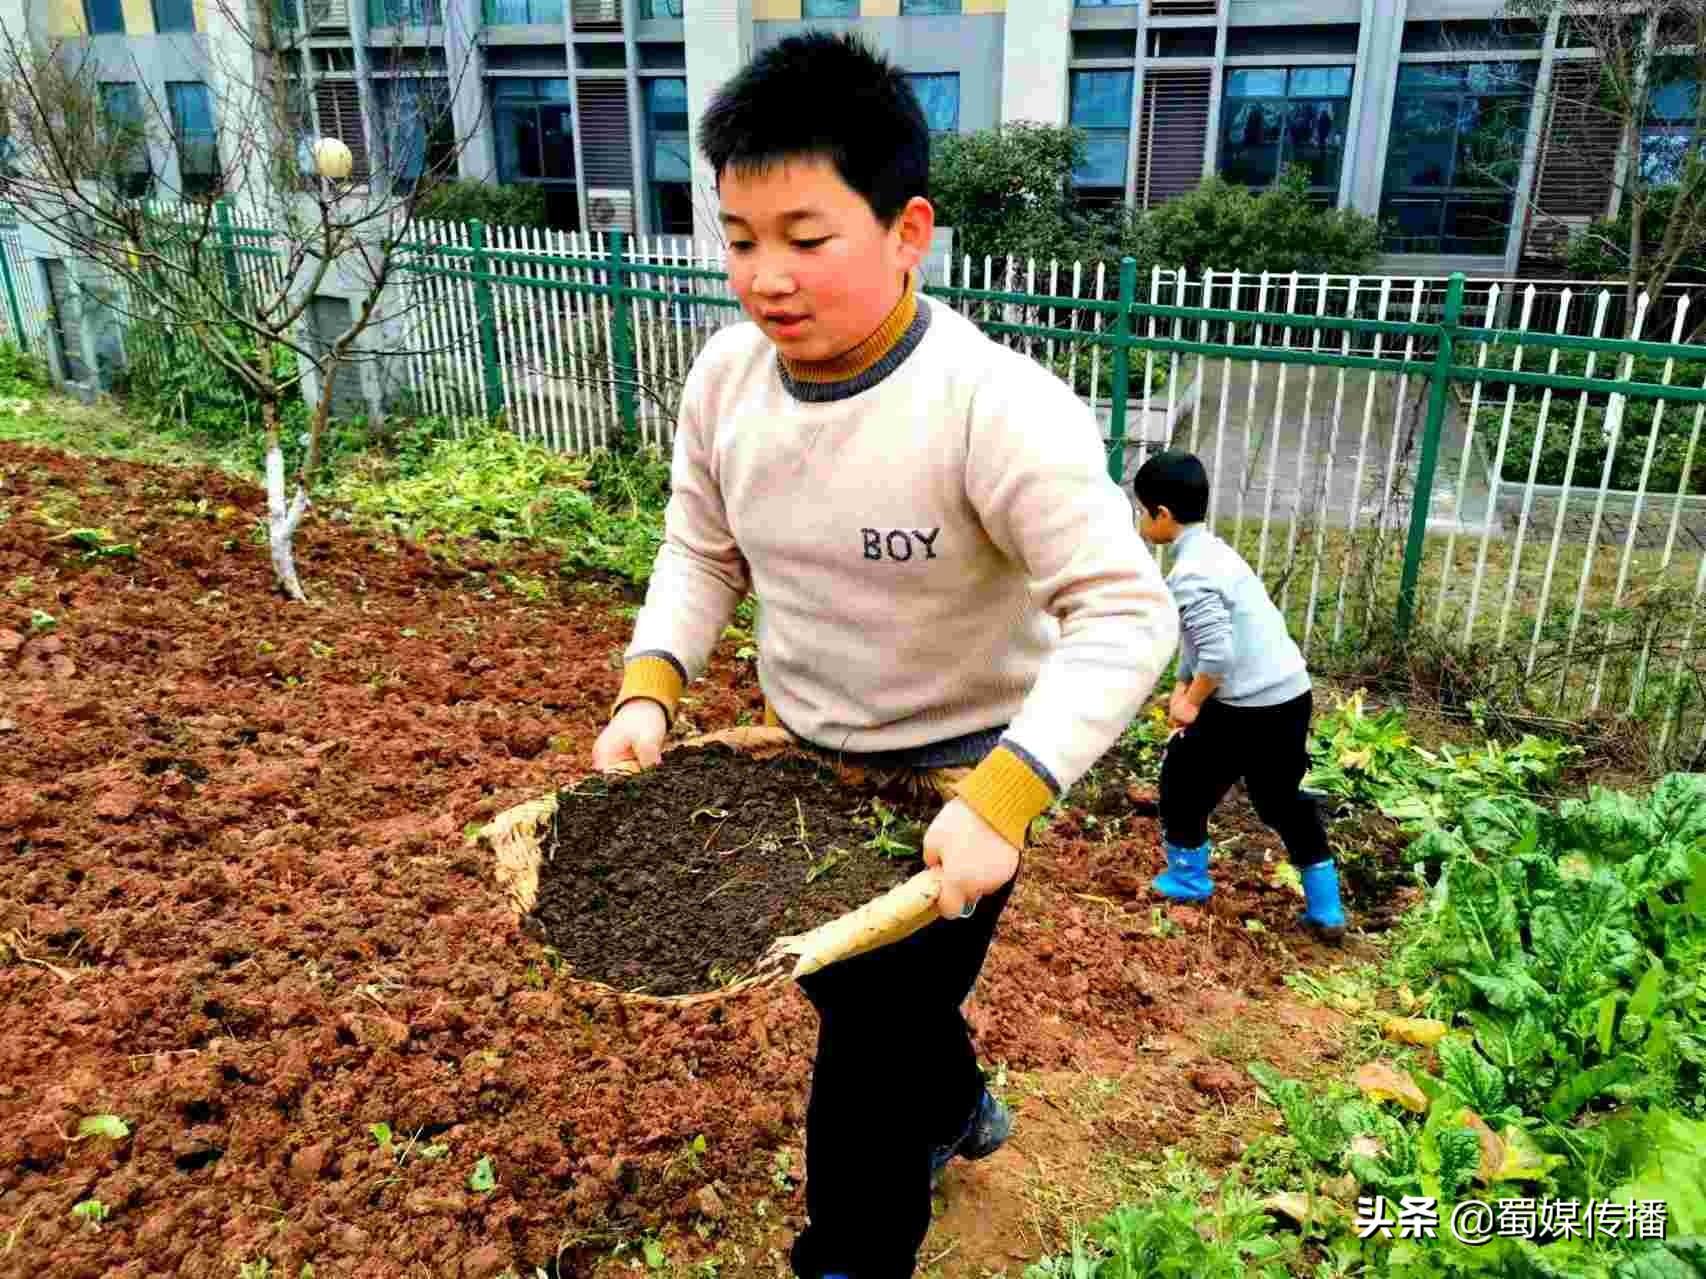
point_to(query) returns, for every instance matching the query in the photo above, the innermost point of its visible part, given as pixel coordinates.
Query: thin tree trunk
(282, 518)
(1634, 286)
(317, 424)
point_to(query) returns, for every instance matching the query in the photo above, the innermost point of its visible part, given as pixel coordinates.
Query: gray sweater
(1229, 627)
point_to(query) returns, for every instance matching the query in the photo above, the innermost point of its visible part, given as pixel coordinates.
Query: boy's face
(809, 260)
(1158, 529)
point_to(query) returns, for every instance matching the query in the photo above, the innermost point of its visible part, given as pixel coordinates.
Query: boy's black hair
(1175, 480)
(820, 94)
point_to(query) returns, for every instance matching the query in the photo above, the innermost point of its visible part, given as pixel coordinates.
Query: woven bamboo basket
(514, 837)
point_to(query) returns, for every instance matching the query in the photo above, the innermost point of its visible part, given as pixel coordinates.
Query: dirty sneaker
(984, 1135)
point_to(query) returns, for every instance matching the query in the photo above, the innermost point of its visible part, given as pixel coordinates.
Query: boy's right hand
(634, 736)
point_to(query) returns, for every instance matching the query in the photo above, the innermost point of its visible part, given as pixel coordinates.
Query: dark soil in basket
(677, 880)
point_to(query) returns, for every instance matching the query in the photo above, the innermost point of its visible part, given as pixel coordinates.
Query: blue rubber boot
(1186, 877)
(987, 1132)
(1322, 911)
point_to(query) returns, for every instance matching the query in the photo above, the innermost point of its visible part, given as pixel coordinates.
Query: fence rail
(23, 320)
(1512, 466)
(1408, 481)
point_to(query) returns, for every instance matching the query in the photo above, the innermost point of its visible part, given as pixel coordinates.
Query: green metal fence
(577, 341)
(533, 305)
(23, 320)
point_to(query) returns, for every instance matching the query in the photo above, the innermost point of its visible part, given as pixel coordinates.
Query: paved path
(1303, 442)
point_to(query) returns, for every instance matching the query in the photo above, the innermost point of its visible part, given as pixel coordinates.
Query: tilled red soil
(242, 915)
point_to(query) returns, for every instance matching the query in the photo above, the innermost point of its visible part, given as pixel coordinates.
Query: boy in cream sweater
(952, 587)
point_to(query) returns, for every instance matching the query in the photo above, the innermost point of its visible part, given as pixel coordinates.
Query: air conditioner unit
(609, 209)
(328, 15)
(596, 12)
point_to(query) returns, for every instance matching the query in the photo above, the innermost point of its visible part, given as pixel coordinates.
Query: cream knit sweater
(936, 547)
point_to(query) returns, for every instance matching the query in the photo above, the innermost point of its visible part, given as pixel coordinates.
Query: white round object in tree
(332, 159)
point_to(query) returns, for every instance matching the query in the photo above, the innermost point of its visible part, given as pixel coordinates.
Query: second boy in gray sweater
(1242, 704)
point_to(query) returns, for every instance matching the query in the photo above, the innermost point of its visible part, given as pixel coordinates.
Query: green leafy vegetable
(482, 1180)
(104, 1126)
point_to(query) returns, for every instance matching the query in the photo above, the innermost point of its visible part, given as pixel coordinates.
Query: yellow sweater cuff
(653, 677)
(1006, 793)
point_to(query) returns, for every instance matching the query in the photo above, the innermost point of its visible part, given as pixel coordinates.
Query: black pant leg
(1198, 767)
(1276, 771)
(895, 1076)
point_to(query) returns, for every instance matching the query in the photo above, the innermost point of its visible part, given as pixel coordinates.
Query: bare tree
(1639, 99)
(264, 215)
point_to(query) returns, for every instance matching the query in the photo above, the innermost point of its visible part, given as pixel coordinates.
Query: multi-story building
(1394, 106)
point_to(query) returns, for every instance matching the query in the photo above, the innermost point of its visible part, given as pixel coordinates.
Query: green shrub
(1600, 251)
(1008, 192)
(175, 386)
(20, 371)
(604, 513)
(1670, 450)
(1077, 373)
(487, 484)
(517, 204)
(1222, 227)
(1193, 1226)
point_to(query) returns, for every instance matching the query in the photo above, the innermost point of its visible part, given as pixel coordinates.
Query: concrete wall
(150, 62)
(1033, 61)
(719, 35)
(1376, 76)
(464, 57)
(971, 45)
(1282, 13)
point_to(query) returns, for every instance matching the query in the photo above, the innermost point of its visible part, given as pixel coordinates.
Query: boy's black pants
(1265, 747)
(895, 1076)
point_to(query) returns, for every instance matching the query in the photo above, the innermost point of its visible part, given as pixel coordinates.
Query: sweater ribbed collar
(847, 374)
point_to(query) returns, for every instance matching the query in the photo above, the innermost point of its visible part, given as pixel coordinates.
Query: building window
(523, 12)
(536, 142)
(1669, 134)
(663, 8)
(1101, 106)
(1106, 4)
(830, 9)
(173, 15)
(928, 8)
(669, 151)
(1453, 156)
(404, 13)
(1276, 117)
(104, 17)
(196, 138)
(417, 133)
(127, 135)
(939, 95)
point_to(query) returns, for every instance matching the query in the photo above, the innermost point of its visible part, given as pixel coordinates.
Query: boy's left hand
(975, 860)
(1182, 710)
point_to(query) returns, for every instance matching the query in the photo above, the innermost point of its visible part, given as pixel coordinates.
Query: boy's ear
(916, 225)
